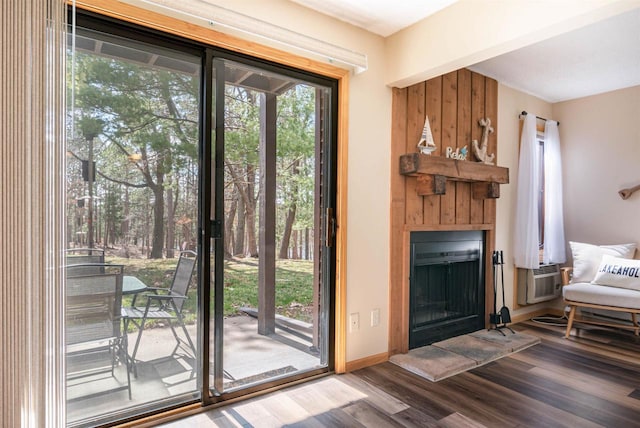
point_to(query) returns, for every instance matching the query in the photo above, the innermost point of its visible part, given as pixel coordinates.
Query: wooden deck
(587, 381)
(249, 358)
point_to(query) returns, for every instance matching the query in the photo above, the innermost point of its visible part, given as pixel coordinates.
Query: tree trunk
(250, 210)
(294, 245)
(171, 224)
(124, 226)
(158, 223)
(247, 216)
(228, 233)
(113, 234)
(286, 235)
(252, 239)
(238, 245)
(291, 212)
(146, 232)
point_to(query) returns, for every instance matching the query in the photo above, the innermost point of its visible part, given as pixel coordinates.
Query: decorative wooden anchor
(480, 150)
(626, 193)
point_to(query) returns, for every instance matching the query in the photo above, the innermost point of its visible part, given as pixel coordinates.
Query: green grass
(294, 292)
(294, 279)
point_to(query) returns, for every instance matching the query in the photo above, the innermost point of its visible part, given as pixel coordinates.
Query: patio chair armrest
(155, 289)
(165, 296)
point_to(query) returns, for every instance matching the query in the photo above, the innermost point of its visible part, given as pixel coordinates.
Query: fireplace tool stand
(498, 320)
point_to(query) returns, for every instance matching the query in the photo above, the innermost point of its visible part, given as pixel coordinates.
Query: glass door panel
(274, 301)
(132, 209)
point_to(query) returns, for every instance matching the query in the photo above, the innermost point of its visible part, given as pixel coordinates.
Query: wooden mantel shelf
(434, 171)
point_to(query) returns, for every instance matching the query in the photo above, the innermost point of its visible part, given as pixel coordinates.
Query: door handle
(216, 229)
(329, 227)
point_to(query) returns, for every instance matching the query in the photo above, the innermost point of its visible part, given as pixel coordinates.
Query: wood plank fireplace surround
(432, 193)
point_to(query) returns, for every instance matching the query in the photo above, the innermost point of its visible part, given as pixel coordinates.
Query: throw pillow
(618, 272)
(587, 257)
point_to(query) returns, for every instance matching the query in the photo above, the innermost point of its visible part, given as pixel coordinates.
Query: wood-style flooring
(592, 380)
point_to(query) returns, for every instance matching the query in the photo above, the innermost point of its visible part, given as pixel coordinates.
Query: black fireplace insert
(446, 285)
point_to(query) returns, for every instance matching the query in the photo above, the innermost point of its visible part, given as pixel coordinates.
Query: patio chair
(81, 256)
(164, 304)
(91, 255)
(94, 340)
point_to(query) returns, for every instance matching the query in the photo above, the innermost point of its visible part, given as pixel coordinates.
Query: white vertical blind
(554, 244)
(31, 203)
(525, 237)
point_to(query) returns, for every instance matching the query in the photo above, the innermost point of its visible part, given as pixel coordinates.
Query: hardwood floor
(590, 380)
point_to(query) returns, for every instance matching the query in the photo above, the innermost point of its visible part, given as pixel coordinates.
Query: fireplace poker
(504, 311)
(494, 318)
(499, 320)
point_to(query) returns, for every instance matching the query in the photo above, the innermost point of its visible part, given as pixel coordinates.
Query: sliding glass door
(200, 195)
(273, 133)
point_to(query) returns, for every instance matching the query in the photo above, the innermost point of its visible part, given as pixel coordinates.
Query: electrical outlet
(354, 322)
(375, 317)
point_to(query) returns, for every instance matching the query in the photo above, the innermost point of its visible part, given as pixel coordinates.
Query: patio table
(132, 285)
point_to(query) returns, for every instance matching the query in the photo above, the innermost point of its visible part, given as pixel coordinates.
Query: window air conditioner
(539, 285)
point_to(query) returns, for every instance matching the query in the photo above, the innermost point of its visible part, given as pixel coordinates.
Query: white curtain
(554, 245)
(525, 237)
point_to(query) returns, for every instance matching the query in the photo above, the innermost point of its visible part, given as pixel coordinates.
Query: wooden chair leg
(572, 314)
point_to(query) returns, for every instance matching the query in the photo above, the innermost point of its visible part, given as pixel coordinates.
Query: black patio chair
(85, 255)
(81, 256)
(94, 340)
(164, 304)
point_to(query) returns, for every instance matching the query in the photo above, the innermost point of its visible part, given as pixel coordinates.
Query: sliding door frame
(329, 198)
(206, 228)
(212, 183)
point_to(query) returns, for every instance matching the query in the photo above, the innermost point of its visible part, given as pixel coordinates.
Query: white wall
(368, 209)
(511, 103)
(600, 140)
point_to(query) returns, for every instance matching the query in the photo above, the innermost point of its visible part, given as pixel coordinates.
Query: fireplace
(446, 285)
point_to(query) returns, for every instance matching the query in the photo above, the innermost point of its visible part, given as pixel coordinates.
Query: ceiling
(597, 58)
(382, 17)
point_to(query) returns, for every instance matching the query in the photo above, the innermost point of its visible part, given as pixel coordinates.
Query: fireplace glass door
(446, 286)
